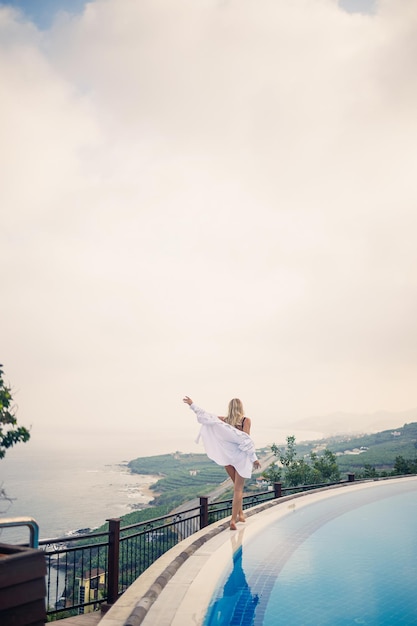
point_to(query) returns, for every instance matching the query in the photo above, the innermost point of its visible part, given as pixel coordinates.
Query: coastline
(66, 492)
(146, 487)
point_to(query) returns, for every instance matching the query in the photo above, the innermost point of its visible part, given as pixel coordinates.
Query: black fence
(86, 571)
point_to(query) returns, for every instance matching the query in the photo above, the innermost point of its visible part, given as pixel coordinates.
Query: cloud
(215, 199)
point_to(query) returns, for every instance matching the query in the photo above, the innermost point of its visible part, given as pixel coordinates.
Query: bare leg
(233, 473)
(237, 500)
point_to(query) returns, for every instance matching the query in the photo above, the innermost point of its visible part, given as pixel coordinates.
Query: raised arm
(188, 401)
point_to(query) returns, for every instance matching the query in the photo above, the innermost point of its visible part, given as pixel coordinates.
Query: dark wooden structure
(22, 586)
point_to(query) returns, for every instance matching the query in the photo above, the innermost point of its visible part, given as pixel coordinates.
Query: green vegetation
(294, 471)
(183, 476)
(10, 432)
(186, 476)
(388, 453)
(135, 517)
(385, 453)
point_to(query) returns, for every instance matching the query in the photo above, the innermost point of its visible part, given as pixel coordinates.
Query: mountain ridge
(342, 422)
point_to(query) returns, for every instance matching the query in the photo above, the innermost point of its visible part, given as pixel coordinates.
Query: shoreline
(145, 487)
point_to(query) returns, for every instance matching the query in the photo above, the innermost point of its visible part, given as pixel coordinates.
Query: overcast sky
(212, 198)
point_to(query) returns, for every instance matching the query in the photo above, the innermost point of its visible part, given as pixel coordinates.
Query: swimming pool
(343, 560)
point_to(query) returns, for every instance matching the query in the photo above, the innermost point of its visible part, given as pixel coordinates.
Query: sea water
(65, 490)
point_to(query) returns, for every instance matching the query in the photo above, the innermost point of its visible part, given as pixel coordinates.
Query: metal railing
(29, 522)
(87, 571)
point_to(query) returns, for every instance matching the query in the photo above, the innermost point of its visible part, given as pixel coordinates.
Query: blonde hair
(235, 412)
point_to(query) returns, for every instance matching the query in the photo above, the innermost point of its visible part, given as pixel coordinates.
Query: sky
(211, 198)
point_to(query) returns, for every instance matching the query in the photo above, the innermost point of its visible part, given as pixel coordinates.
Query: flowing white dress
(225, 444)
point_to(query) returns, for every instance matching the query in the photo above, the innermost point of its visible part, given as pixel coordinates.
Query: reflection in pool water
(347, 559)
(237, 604)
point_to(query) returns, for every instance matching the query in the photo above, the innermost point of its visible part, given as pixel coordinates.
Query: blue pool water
(350, 559)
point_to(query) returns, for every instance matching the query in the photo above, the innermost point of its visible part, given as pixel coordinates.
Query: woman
(227, 442)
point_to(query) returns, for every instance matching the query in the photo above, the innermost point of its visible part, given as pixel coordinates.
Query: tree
(404, 466)
(325, 467)
(297, 471)
(10, 432)
(273, 473)
(368, 471)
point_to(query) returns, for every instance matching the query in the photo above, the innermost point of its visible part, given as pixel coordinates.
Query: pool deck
(177, 589)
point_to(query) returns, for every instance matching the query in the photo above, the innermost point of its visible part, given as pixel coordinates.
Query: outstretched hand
(187, 400)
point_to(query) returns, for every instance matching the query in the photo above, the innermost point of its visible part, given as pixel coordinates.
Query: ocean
(66, 486)
(66, 492)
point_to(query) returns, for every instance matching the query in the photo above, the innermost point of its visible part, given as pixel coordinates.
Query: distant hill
(339, 423)
(378, 449)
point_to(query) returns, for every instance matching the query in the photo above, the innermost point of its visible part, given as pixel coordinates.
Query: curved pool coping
(176, 589)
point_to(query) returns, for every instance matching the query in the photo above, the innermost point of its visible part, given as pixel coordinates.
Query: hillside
(378, 449)
(183, 476)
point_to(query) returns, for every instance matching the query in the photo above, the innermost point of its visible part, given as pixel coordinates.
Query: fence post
(277, 490)
(203, 512)
(113, 562)
(351, 477)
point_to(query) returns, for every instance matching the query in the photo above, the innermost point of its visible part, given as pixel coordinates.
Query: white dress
(225, 444)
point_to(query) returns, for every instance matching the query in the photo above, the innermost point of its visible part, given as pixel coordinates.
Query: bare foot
(241, 518)
(232, 526)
